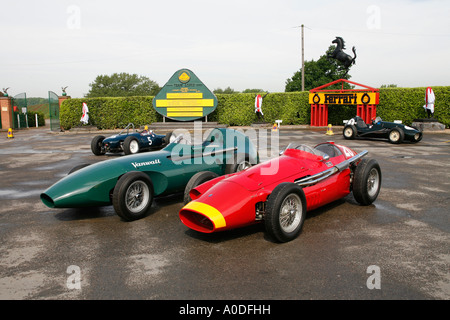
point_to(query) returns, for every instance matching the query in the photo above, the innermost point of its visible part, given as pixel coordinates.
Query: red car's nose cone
(224, 206)
(202, 217)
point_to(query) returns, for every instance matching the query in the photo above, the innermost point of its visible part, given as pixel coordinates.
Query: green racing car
(394, 132)
(130, 183)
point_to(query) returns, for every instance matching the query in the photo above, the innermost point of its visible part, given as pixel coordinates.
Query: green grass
(43, 108)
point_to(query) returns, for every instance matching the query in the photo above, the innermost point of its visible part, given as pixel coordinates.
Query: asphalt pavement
(397, 248)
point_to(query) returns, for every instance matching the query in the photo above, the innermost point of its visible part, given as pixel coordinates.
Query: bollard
(275, 127)
(330, 130)
(10, 134)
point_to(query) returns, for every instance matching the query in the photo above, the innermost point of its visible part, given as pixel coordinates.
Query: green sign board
(184, 98)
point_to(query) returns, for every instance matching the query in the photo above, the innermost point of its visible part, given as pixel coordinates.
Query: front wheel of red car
(285, 212)
(196, 180)
(133, 196)
(367, 181)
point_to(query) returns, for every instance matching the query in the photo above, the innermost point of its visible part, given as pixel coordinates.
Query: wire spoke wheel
(137, 196)
(133, 195)
(367, 181)
(290, 213)
(373, 182)
(243, 165)
(285, 212)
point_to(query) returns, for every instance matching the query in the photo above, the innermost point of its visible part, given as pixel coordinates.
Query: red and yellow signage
(354, 98)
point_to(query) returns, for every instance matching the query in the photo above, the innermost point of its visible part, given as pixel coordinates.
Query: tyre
(240, 162)
(133, 196)
(285, 212)
(97, 145)
(417, 137)
(196, 180)
(349, 132)
(167, 139)
(78, 167)
(366, 181)
(130, 145)
(396, 135)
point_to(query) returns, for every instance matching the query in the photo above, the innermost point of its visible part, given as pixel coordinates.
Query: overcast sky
(49, 44)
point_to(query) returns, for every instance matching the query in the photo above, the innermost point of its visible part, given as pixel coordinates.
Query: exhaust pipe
(309, 181)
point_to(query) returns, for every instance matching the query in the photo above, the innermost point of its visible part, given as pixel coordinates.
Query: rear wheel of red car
(285, 212)
(133, 196)
(97, 145)
(349, 132)
(196, 180)
(130, 145)
(367, 181)
(396, 135)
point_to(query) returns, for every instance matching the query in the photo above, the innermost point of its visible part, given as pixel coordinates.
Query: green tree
(317, 73)
(253, 91)
(122, 85)
(227, 90)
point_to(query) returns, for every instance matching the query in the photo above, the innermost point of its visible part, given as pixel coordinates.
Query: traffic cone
(330, 130)
(275, 127)
(10, 134)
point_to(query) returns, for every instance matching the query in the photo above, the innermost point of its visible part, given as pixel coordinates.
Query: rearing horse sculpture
(340, 55)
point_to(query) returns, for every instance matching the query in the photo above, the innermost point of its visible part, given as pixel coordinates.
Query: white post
(18, 121)
(303, 61)
(36, 117)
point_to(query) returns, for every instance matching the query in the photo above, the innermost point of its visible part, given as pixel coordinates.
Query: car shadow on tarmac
(74, 214)
(233, 234)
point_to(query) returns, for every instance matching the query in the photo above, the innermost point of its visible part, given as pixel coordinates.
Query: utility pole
(303, 61)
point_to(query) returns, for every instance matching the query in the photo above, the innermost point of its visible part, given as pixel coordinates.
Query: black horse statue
(340, 55)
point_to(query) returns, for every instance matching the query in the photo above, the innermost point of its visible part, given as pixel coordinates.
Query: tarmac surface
(396, 248)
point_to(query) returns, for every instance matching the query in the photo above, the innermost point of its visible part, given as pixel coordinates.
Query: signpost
(184, 98)
(365, 99)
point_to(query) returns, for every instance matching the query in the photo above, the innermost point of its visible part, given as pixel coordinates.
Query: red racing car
(280, 191)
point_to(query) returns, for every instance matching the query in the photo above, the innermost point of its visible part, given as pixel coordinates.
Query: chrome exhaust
(308, 181)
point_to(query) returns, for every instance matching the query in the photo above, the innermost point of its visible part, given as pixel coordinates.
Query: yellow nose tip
(210, 212)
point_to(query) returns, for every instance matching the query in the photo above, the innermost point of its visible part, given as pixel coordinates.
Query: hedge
(109, 113)
(30, 119)
(404, 104)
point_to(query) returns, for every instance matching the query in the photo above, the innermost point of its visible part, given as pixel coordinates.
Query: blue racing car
(129, 141)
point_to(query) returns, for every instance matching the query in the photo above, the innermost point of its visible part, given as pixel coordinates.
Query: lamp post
(303, 61)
